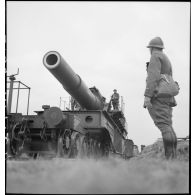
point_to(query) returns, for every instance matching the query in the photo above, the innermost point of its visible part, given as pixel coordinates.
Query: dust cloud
(90, 176)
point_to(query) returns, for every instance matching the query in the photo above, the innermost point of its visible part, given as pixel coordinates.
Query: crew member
(73, 103)
(160, 109)
(115, 100)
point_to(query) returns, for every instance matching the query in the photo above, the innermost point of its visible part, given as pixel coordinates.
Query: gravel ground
(89, 176)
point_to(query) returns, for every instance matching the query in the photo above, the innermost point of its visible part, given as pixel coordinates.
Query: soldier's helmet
(156, 42)
(114, 90)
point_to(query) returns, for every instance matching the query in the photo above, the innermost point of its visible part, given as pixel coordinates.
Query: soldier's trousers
(115, 105)
(161, 113)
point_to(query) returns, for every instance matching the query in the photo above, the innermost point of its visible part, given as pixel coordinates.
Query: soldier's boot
(168, 141)
(175, 143)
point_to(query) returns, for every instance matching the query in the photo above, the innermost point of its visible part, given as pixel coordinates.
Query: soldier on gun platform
(74, 104)
(115, 100)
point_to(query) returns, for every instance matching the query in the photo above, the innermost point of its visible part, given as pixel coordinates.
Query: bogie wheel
(105, 148)
(33, 155)
(76, 145)
(16, 148)
(97, 151)
(84, 150)
(15, 142)
(92, 148)
(64, 145)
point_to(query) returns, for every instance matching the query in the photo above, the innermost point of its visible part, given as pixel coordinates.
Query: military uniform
(161, 110)
(73, 102)
(115, 100)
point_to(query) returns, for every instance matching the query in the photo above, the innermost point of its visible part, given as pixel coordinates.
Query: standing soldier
(115, 100)
(73, 103)
(160, 109)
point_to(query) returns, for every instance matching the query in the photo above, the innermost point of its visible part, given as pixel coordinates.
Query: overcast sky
(105, 43)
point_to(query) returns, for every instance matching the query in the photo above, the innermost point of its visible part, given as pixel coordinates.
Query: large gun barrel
(71, 82)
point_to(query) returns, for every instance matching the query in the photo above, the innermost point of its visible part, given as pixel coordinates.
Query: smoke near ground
(141, 174)
(90, 176)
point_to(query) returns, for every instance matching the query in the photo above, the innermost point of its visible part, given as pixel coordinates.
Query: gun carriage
(93, 130)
